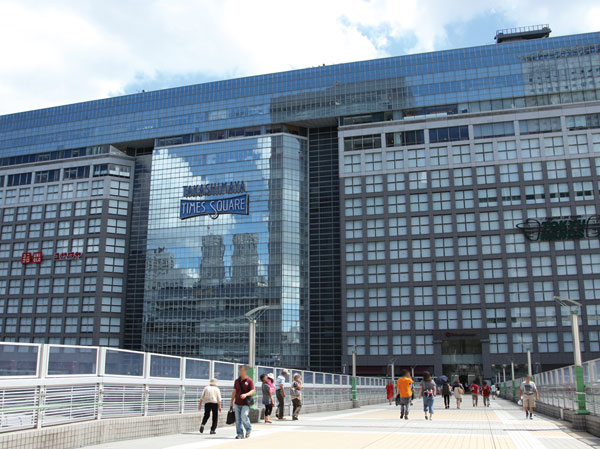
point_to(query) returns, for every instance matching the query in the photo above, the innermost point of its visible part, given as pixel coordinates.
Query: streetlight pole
(514, 385)
(504, 382)
(529, 372)
(251, 316)
(354, 395)
(574, 307)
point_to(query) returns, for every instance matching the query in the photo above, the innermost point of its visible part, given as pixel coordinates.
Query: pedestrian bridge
(501, 426)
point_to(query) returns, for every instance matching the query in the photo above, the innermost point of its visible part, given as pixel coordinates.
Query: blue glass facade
(189, 281)
(205, 272)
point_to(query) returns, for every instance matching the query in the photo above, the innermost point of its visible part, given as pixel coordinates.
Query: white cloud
(65, 51)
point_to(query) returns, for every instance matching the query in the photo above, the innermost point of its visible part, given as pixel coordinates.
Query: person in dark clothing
(267, 396)
(446, 392)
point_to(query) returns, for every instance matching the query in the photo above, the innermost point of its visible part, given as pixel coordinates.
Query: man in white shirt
(280, 393)
(528, 393)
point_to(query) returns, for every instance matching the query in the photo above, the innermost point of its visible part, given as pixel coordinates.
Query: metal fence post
(146, 399)
(182, 400)
(100, 400)
(41, 401)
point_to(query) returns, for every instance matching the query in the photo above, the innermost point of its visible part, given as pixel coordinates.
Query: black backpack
(446, 389)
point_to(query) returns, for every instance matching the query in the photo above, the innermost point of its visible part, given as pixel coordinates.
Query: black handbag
(230, 417)
(250, 401)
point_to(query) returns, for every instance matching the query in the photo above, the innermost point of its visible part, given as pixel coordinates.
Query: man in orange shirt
(405, 393)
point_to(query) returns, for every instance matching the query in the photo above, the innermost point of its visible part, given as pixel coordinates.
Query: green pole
(354, 389)
(252, 375)
(580, 386)
(578, 368)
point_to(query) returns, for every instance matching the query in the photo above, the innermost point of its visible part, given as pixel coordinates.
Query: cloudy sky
(61, 51)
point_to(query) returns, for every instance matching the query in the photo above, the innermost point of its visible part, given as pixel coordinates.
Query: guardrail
(557, 387)
(44, 385)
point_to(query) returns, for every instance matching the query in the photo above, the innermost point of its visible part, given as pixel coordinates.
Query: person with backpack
(427, 392)
(494, 391)
(296, 394)
(446, 392)
(486, 392)
(474, 393)
(211, 396)
(267, 396)
(405, 393)
(241, 400)
(458, 394)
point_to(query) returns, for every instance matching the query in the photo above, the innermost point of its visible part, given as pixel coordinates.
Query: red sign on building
(27, 258)
(67, 256)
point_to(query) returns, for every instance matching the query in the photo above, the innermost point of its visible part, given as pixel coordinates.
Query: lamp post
(514, 385)
(252, 316)
(529, 372)
(354, 395)
(574, 307)
(504, 379)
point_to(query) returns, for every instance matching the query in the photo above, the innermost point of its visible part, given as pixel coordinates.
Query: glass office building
(422, 210)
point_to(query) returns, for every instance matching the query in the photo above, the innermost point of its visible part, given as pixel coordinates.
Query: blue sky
(64, 51)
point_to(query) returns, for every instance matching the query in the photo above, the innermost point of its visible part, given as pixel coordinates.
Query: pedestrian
(528, 394)
(241, 399)
(405, 393)
(296, 395)
(458, 394)
(267, 396)
(494, 391)
(486, 392)
(428, 392)
(446, 392)
(280, 393)
(389, 389)
(211, 396)
(474, 393)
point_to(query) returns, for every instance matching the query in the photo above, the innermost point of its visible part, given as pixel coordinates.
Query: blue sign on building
(214, 207)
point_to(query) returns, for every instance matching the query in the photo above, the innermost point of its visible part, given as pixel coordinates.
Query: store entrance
(462, 360)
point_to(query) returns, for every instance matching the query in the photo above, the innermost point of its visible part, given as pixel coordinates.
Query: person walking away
(389, 389)
(211, 396)
(494, 391)
(529, 393)
(446, 392)
(486, 392)
(428, 392)
(405, 393)
(280, 392)
(267, 397)
(474, 393)
(243, 389)
(458, 394)
(296, 395)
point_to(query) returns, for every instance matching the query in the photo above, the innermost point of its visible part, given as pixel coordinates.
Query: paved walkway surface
(501, 426)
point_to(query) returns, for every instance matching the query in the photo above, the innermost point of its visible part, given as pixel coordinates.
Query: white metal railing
(557, 387)
(44, 385)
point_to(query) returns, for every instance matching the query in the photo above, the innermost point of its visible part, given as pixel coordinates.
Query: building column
(437, 358)
(486, 359)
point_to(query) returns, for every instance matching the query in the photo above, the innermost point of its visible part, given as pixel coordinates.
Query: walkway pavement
(501, 426)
